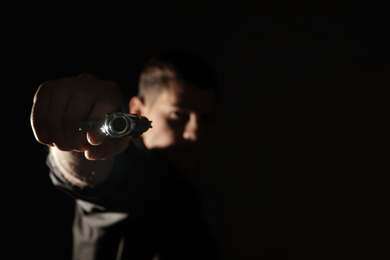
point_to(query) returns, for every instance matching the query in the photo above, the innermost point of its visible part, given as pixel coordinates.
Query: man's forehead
(186, 96)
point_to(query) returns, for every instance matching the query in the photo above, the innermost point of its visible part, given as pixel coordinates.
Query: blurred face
(182, 118)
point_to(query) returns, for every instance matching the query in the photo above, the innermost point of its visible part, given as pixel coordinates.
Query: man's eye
(177, 115)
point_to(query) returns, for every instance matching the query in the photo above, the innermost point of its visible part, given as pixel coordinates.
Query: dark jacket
(143, 211)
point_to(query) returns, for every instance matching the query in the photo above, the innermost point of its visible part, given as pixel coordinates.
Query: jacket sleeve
(104, 212)
(133, 182)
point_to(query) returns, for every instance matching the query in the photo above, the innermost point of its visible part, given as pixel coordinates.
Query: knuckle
(39, 137)
(41, 91)
(112, 89)
(111, 85)
(62, 147)
(77, 142)
(86, 81)
(86, 76)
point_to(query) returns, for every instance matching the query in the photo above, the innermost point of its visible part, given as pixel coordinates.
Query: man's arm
(80, 171)
(84, 157)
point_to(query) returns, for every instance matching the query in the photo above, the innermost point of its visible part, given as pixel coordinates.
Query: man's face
(182, 117)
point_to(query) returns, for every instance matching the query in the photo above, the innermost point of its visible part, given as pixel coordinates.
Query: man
(132, 197)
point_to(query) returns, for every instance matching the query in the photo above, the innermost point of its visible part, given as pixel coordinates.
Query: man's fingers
(77, 111)
(107, 150)
(95, 137)
(101, 108)
(59, 101)
(39, 114)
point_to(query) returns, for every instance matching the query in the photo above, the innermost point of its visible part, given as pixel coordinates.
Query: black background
(289, 172)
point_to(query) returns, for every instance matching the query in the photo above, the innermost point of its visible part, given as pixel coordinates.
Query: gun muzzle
(118, 125)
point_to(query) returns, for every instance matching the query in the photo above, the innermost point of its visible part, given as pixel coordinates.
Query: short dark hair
(191, 68)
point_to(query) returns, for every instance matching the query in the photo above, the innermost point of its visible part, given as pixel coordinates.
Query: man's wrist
(80, 171)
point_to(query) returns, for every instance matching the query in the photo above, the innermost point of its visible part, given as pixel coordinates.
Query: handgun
(118, 125)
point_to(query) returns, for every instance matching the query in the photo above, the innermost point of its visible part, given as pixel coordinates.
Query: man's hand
(59, 107)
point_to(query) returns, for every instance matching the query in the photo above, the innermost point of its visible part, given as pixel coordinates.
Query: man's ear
(136, 105)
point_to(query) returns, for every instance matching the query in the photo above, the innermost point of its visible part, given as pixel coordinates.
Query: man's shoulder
(138, 157)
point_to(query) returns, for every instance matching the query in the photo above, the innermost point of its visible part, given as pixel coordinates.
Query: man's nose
(191, 130)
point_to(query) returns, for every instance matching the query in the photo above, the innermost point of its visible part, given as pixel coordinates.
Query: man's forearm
(78, 170)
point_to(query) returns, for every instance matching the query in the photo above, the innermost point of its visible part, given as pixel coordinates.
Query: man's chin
(181, 159)
(184, 166)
